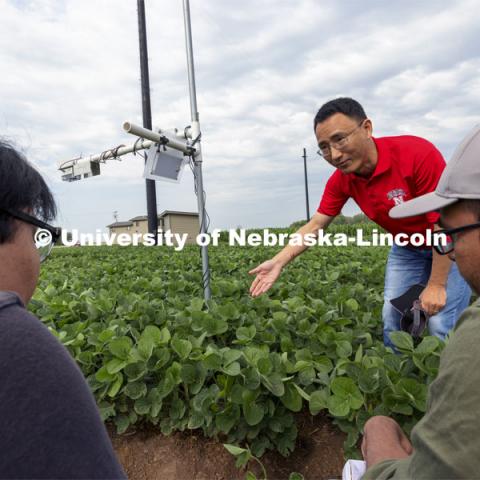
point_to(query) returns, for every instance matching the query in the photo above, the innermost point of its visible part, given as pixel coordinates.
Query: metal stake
(198, 155)
(306, 182)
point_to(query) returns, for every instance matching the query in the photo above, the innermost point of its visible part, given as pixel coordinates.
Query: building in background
(169, 220)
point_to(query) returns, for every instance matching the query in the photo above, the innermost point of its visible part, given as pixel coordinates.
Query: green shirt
(446, 440)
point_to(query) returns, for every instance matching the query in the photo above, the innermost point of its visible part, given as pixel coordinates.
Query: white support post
(196, 136)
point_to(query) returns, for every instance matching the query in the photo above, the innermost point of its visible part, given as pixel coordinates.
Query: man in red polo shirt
(379, 173)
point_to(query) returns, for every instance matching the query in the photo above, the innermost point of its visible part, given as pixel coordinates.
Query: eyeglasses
(325, 149)
(451, 237)
(45, 236)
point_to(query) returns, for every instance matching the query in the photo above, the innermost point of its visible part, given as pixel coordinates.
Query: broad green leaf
(344, 348)
(402, 340)
(415, 392)
(352, 304)
(246, 334)
(359, 354)
(145, 347)
(344, 387)
(116, 386)
(189, 373)
(233, 369)
(162, 355)
(243, 459)
(103, 376)
(135, 371)
(402, 408)
(227, 419)
(369, 380)
(196, 304)
(296, 476)
(181, 347)
(120, 347)
(259, 445)
(338, 406)
(159, 337)
(276, 425)
(236, 394)
(253, 413)
(234, 449)
(291, 398)
(302, 392)
(142, 406)
(122, 422)
(274, 383)
(107, 410)
(135, 390)
(427, 345)
(307, 376)
(279, 316)
(251, 378)
(212, 361)
(174, 373)
(323, 364)
(392, 362)
(196, 421)
(318, 401)
(231, 355)
(264, 366)
(177, 409)
(115, 365)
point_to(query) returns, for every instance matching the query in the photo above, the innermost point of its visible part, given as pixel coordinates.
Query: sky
(70, 77)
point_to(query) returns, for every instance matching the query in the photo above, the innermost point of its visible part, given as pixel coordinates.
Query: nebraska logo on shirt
(396, 195)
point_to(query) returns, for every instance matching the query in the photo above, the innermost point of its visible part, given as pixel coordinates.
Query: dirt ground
(148, 455)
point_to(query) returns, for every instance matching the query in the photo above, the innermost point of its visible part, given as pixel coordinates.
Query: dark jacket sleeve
(49, 422)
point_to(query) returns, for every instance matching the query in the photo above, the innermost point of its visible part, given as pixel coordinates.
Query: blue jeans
(407, 267)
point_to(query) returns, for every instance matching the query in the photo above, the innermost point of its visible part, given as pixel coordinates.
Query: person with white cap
(446, 442)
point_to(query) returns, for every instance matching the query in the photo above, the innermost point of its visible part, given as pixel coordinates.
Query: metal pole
(306, 182)
(198, 155)
(147, 113)
(157, 137)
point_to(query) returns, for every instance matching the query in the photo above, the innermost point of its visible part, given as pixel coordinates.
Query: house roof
(120, 224)
(173, 212)
(141, 218)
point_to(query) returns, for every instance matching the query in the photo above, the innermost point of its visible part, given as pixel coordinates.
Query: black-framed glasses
(45, 236)
(451, 237)
(325, 149)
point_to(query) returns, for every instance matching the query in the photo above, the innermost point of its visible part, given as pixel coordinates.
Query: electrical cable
(135, 145)
(205, 225)
(114, 152)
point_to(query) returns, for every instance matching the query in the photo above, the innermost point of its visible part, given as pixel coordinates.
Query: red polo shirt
(407, 167)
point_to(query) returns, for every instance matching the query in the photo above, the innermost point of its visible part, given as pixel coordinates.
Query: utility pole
(147, 114)
(306, 182)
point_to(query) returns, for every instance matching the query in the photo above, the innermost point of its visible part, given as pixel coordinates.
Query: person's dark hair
(348, 106)
(22, 188)
(472, 206)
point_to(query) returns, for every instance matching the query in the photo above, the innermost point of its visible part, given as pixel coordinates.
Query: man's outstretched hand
(267, 272)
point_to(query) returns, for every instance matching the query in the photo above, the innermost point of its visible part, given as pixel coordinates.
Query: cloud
(70, 78)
